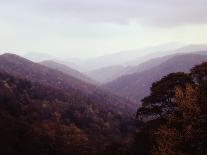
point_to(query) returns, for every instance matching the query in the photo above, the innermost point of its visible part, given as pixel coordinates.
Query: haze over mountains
(111, 72)
(123, 65)
(108, 74)
(129, 78)
(121, 59)
(21, 67)
(137, 85)
(118, 58)
(107, 68)
(31, 91)
(50, 96)
(67, 70)
(34, 72)
(135, 57)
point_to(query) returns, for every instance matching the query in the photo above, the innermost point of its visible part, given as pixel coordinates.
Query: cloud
(155, 12)
(99, 26)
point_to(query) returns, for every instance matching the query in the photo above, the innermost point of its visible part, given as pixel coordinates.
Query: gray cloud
(156, 12)
(61, 26)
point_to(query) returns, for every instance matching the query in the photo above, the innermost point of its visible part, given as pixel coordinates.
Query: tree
(162, 95)
(199, 75)
(71, 140)
(180, 127)
(176, 135)
(199, 72)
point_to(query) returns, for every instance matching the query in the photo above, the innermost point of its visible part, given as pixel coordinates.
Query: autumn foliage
(38, 119)
(180, 127)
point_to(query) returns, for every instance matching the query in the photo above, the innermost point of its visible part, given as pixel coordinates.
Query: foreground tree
(174, 116)
(176, 136)
(162, 96)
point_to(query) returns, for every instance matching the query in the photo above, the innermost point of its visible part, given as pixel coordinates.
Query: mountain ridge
(34, 72)
(136, 86)
(67, 70)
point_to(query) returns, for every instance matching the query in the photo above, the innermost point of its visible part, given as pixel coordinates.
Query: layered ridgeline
(21, 67)
(24, 68)
(130, 57)
(106, 74)
(124, 63)
(111, 73)
(137, 85)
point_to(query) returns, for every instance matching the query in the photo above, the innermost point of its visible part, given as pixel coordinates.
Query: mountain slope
(137, 85)
(67, 70)
(132, 57)
(21, 67)
(151, 59)
(108, 74)
(120, 58)
(36, 73)
(35, 116)
(193, 48)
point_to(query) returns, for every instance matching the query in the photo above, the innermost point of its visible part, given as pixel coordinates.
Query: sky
(90, 28)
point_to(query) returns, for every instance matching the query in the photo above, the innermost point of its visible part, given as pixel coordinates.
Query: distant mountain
(136, 86)
(120, 58)
(67, 70)
(36, 73)
(108, 74)
(151, 63)
(194, 48)
(24, 68)
(153, 58)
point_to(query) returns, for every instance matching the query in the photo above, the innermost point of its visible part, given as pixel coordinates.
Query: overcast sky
(89, 28)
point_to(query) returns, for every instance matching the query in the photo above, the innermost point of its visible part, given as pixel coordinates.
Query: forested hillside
(36, 119)
(67, 70)
(34, 72)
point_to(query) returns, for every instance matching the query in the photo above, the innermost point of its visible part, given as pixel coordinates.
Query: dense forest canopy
(38, 118)
(45, 120)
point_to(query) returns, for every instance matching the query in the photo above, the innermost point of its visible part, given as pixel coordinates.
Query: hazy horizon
(30, 54)
(91, 28)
